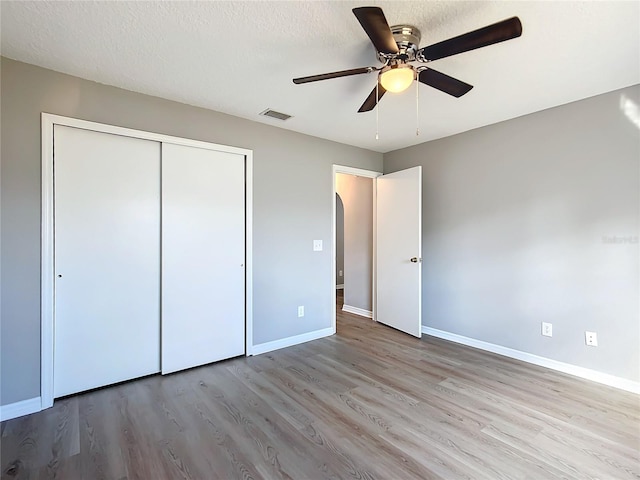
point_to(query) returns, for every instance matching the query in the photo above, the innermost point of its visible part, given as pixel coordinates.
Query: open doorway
(356, 194)
(354, 224)
(395, 252)
(339, 242)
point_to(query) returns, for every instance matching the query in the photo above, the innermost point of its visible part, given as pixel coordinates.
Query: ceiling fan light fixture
(396, 78)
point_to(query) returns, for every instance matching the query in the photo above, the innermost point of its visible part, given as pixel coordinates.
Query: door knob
(414, 259)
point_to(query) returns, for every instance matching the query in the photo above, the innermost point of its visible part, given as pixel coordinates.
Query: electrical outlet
(317, 245)
(301, 311)
(340, 273)
(547, 329)
(591, 339)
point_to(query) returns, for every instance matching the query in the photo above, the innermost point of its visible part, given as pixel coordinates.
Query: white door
(399, 250)
(107, 259)
(203, 256)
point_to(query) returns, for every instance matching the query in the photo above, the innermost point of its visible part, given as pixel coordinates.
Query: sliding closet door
(107, 259)
(203, 256)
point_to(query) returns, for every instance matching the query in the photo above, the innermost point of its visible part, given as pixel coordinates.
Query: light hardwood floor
(368, 403)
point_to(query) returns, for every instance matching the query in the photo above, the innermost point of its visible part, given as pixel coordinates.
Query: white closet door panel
(107, 259)
(203, 255)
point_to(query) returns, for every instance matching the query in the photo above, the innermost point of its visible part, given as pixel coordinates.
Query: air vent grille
(273, 114)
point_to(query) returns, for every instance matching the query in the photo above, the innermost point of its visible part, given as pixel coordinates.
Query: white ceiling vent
(273, 114)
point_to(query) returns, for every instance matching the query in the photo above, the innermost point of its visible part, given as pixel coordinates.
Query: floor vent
(273, 114)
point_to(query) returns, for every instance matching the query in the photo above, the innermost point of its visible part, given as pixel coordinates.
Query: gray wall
(292, 206)
(339, 240)
(357, 198)
(536, 219)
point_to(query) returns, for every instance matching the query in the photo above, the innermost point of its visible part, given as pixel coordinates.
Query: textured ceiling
(239, 58)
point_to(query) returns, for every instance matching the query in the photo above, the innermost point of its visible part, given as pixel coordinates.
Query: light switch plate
(317, 245)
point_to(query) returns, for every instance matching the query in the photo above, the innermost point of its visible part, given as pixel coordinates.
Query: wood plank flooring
(368, 403)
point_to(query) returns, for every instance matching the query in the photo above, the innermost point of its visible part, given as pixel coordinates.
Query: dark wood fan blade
(376, 27)
(496, 33)
(371, 101)
(327, 76)
(443, 82)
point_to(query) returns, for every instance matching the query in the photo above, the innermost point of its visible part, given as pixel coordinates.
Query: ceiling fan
(398, 46)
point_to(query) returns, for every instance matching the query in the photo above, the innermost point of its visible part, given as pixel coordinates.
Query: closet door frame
(47, 265)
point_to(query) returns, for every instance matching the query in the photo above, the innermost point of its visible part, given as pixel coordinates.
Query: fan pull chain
(377, 109)
(417, 107)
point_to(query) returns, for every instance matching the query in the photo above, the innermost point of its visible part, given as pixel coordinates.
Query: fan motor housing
(407, 37)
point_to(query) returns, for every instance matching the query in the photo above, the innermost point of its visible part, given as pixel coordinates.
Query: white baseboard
(358, 311)
(340, 287)
(291, 341)
(586, 373)
(18, 409)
